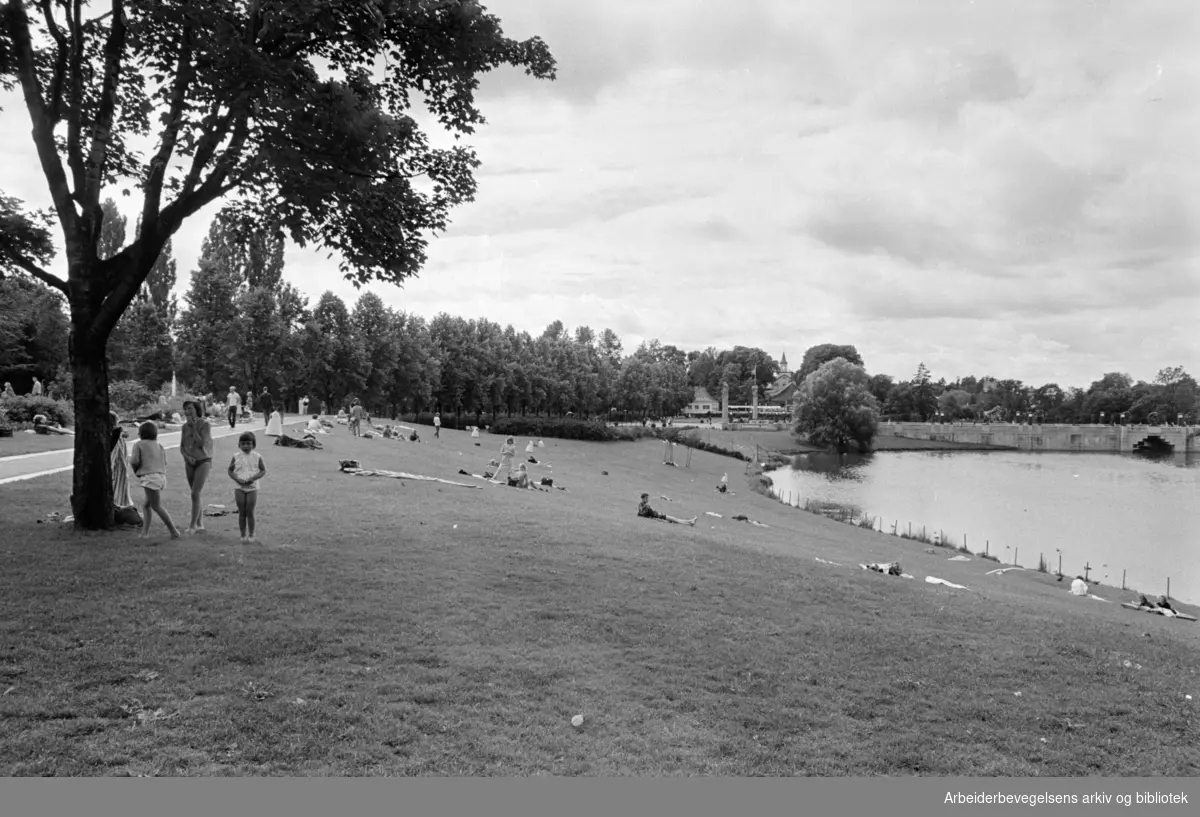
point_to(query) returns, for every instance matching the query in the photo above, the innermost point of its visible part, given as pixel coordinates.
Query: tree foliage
(836, 408)
(819, 355)
(33, 332)
(281, 102)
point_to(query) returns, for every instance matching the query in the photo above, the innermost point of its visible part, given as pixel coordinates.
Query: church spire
(783, 362)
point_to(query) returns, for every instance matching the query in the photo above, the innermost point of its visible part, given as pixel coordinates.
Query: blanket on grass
(370, 472)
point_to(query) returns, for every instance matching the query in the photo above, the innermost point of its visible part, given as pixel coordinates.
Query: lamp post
(1102, 418)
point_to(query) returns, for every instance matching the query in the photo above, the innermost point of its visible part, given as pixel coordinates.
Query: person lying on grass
(42, 425)
(645, 510)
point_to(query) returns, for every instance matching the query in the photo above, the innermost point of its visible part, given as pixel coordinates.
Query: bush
(127, 395)
(563, 429)
(22, 410)
(690, 438)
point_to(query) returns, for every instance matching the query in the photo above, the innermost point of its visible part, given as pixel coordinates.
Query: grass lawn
(22, 443)
(401, 627)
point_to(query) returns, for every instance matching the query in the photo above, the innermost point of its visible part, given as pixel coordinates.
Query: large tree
(835, 407)
(817, 356)
(279, 101)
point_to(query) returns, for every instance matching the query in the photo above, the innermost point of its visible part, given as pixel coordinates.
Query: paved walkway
(28, 466)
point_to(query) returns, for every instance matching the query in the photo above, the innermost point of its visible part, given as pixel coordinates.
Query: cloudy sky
(1003, 187)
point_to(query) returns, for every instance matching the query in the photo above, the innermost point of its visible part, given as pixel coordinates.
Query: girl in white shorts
(246, 469)
(149, 462)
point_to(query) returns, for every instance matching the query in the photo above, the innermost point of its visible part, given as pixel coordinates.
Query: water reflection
(1126, 512)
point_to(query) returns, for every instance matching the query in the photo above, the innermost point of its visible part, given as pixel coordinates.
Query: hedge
(22, 410)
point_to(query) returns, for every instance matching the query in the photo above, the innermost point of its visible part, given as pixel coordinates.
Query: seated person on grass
(645, 510)
(521, 480)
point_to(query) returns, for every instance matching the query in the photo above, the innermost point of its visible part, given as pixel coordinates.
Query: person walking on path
(234, 402)
(196, 445)
(149, 462)
(267, 404)
(437, 426)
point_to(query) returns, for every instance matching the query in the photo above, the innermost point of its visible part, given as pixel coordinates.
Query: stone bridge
(1055, 437)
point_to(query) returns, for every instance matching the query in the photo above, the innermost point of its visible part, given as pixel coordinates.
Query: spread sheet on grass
(369, 472)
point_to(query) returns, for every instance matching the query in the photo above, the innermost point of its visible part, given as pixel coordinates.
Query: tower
(783, 365)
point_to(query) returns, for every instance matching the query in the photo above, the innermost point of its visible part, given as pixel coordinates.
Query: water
(1113, 511)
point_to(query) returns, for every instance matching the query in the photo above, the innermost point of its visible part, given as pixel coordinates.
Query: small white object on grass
(577, 721)
(456, 526)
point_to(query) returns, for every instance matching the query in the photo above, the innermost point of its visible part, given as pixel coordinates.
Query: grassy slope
(388, 627)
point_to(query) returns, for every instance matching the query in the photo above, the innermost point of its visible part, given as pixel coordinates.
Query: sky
(998, 187)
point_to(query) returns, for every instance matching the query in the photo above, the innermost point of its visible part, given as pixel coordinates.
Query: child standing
(507, 452)
(246, 469)
(149, 462)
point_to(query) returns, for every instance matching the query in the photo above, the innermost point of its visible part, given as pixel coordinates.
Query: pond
(1111, 514)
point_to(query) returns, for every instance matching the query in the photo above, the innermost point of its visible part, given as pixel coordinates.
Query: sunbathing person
(645, 510)
(42, 425)
(522, 480)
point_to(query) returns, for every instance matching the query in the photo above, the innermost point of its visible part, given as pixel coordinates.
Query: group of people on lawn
(147, 460)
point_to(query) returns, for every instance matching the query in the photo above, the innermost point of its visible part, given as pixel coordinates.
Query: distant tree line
(240, 324)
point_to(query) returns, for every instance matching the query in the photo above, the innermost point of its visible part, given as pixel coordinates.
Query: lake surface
(1116, 512)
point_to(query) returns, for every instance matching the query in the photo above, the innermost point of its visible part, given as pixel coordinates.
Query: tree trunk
(92, 493)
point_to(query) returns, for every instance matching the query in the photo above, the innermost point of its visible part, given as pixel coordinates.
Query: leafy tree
(1111, 395)
(880, 385)
(953, 403)
(372, 325)
(835, 407)
(924, 402)
(701, 366)
(336, 363)
(159, 284)
(746, 369)
(150, 353)
(901, 403)
(610, 345)
(33, 332)
(208, 331)
(232, 93)
(817, 356)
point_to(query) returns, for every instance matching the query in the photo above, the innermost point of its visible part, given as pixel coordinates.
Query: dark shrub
(127, 395)
(22, 410)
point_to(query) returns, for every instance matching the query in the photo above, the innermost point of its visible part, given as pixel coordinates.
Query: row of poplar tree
(240, 324)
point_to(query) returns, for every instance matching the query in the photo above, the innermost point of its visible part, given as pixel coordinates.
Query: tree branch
(39, 273)
(184, 72)
(207, 147)
(43, 125)
(60, 60)
(75, 106)
(102, 130)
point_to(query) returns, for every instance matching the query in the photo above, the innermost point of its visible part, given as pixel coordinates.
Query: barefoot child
(149, 462)
(246, 469)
